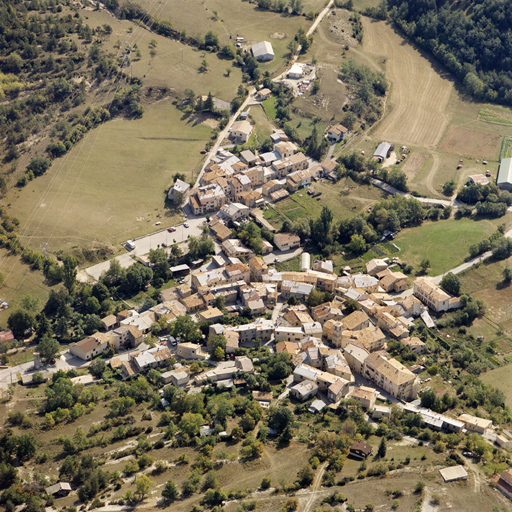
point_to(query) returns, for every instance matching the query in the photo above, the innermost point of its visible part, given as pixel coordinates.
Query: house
(241, 131)
(234, 248)
(262, 52)
(90, 347)
(263, 94)
(383, 151)
(220, 230)
(304, 390)
(210, 315)
(360, 450)
(504, 483)
(251, 198)
(393, 281)
(475, 424)
(356, 321)
(295, 72)
(504, 177)
(297, 180)
(261, 329)
(336, 133)
(371, 338)
(286, 241)
(59, 490)
(355, 357)
(6, 336)
(248, 156)
(178, 190)
(478, 179)
(285, 149)
(207, 199)
(244, 364)
(411, 306)
(235, 211)
(454, 473)
(191, 351)
(366, 396)
(337, 390)
(270, 187)
(373, 267)
(433, 296)
(126, 336)
(502, 441)
(414, 344)
(257, 268)
(177, 378)
(110, 322)
(391, 375)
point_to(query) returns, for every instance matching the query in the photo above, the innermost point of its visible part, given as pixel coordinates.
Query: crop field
(416, 113)
(413, 164)
(232, 18)
(445, 242)
(496, 115)
(111, 186)
(471, 143)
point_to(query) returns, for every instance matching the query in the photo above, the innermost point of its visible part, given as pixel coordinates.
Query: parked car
(171, 230)
(203, 151)
(186, 224)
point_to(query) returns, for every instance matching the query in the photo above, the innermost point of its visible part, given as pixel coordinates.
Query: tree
(357, 244)
(191, 423)
(69, 272)
(170, 491)
(381, 451)
(97, 367)
(280, 418)
(20, 322)
(451, 283)
(305, 476)
(507, 275)
(425, 264)
(142, 484)
(449, 187)
(48, 347)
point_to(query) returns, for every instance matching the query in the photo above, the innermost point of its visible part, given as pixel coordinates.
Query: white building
(263, 51)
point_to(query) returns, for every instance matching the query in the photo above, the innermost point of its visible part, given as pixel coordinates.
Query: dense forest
(473, 40)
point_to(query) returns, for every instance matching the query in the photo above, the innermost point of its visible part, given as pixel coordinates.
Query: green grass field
(502, 379)
(111, 186)
(263, 127)
(445, 243)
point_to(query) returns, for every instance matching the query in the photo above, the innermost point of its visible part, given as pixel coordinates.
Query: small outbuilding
(383, 151)
(59, 490)
(295, 72)
(454, 473)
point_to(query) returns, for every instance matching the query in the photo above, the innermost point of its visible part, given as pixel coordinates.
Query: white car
(186, 224)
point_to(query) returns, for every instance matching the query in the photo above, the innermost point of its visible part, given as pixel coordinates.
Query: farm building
(478, 179)
(504, 177)
(263, 51)
(295, 71)
(383, 151)
(454, 473)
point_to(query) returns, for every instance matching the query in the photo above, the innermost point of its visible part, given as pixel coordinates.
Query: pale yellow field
(416, 107)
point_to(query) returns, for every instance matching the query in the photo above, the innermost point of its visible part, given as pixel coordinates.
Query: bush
(266, 483)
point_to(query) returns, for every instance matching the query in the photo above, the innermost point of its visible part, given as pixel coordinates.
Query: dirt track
(419, 96)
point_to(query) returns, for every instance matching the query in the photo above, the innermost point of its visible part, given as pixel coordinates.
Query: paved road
(282, 255)
(329, 153)
(225, 132)
(144, 244)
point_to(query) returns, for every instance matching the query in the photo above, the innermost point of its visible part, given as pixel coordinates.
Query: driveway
(282, 255)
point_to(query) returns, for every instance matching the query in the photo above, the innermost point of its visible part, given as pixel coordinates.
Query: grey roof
(316, 406)
(382, 150)
(261, 49)
(505, 172)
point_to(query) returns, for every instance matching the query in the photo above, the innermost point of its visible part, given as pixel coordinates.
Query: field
(413, 164)
(502, 379)
(471, 143)
(485, 282)
(233, 18)
(416, 108)
(111, 186)
(300, 204)
(496, 115)
(445, 243)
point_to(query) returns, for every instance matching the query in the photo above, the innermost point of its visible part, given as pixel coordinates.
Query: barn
(504, 178)
(263, 51)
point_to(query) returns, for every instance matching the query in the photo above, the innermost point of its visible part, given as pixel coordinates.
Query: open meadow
(112, 185)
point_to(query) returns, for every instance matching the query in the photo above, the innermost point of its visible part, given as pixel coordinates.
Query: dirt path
(429, 179)
(317, 482)
(419, 95)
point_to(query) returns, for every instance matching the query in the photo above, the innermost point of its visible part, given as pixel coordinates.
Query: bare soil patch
(471, 143)
(413, 164)
(416, 107)
(278, 35)
(340, 28)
